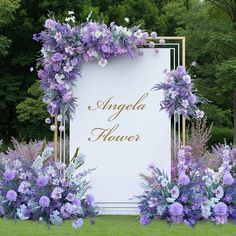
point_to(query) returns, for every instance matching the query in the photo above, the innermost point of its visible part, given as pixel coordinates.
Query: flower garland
(65, 48)
(178, 94)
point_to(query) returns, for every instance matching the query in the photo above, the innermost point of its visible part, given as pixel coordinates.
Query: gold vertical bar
(55, 138)
(184, 64)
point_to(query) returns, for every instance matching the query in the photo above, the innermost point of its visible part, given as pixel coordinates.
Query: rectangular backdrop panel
(119, 126)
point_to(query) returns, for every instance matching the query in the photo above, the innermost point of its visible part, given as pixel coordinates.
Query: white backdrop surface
(119, 163)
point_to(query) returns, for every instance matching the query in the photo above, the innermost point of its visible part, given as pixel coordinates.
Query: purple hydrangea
(176, 209)
(228, 179)
(11, 195)
(44, 201)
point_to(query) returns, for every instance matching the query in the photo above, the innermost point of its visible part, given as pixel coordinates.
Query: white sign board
(119, 126)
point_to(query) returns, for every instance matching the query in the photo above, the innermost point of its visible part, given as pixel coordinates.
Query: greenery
(209, 27)
(116, 226)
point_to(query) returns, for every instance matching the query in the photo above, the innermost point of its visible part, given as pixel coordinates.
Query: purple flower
(77, 202)
(228, 198)
(219, 192)
(144, 220)
(180, 71)
(184, 198)
(220, 209)
(174, 192)
(57, 193)
(57, 56)
(44, 201)
(90, 199)
(105, 48)
(66, 210)
(11, 195)
(70, 197)
(9, 175)
(153, 35)
(49, 24)
(151, 44)
(24, 187)
(78, 223)
(162, 41)
(183, 179)
(176, 209)
(153, 202)
(42, 181)
(228, 179)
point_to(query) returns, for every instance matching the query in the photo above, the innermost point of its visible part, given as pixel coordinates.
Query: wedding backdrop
(129, 133)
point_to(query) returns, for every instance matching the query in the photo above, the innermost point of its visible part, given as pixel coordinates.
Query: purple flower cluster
(65, 48)
(47, 193)
(178, 94)
(194, 195)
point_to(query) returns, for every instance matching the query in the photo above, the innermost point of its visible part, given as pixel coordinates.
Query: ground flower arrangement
(45, 191)
(194, 195)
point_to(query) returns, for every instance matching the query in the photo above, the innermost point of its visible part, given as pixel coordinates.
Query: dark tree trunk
(234, 109)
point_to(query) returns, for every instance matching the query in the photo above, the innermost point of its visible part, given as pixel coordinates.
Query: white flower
(187, 79)
(160, 210)
(138, 34)
(162, 41)
(51, 172)
(219, 192)
(126, 19)
(71, 13)
(164, 182)
(24, 187)
(175, 192)
(185, 103)
(58, 36)
(102, 62)
(22, 212)
(97, 34)
(31, 69)
(170, 199)
(161, 177)
(72, 18)
(59, 78)
(200, 114)
(173, 94)
(169, 80)
(206, 211)
(213, 201)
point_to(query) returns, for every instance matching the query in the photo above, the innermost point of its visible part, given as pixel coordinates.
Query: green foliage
(220, 135)
(31, 115)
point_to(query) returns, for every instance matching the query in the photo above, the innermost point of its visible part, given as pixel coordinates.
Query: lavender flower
(220, 209)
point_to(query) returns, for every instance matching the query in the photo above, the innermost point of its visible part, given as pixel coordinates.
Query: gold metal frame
(183, 118)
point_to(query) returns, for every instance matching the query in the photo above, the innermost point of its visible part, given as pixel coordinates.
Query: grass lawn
(113, 226)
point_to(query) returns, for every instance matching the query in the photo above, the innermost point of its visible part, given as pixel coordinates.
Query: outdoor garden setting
(118, 117)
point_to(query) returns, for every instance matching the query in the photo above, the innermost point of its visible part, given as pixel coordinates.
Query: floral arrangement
(46, 191)
(178, 94)
(66, 47)
(191, 197)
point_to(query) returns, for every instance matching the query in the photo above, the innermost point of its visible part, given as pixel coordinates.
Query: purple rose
(44, 201)
(57, 56)
(49, 23)
(220, 209)
(70, 197)
(42, 181)
(144, 220)
(228, 179)
(184, 179)
(78, 223)
(9, 175)
(11, 195)
(176, 209)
